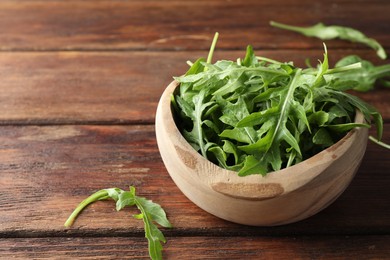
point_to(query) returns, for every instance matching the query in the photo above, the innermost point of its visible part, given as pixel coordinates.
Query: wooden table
(80, 81)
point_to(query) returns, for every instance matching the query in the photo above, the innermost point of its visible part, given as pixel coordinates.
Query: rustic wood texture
(80, 82)
(173, 25)
(47, 170)
(292, 247)
(115, 87)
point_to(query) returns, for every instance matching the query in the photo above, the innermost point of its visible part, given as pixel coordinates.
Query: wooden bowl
(281, 197)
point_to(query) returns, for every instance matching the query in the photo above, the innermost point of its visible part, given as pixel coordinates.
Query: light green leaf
(284, 134)
(257, 118)
(154, 210)
(238, 134)
(261, 146)
(125, 198)
(299, 112)
(220, 155)
(229, 147)
(324, 32)
(360, 79)
(253, 166)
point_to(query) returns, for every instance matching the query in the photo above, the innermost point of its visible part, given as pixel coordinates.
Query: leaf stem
(99, 195)
(381, 71)
(269, 60)
(353, 66)
(213, 44)
(387, 146)
(289, 27)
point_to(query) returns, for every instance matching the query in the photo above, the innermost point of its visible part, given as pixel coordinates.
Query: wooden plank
(293, 247)
(114, 87)
(104, 25)
(47, 170)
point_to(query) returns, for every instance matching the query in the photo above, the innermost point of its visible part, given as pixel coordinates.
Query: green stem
(387, 146)
(269, 60)
(381, 71)
(99, 195)
(288, 27)
(353, 66)
(211, 52)
(291, 158)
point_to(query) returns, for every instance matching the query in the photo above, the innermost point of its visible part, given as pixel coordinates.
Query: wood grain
(178, 25)
(114, 87)
(292, 247)
(47, 170)
(80, 82)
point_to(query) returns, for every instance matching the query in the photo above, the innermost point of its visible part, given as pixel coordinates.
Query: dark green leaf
(322, 137)
(342, 128)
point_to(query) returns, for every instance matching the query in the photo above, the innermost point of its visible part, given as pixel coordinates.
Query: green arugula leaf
(368, 111)
(361, 79)
(250, 58)
(322, 137)
(150, 212)
(324, 32)
(153, 212)
(253, 166)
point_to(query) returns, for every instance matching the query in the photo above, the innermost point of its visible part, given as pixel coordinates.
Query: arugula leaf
(324, 32)
(150, 213)
(279, 132)
(361, 79)
(322, 137)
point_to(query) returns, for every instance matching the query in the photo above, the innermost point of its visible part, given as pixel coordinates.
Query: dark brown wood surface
(261, 247)
(116, 87)
(80, 82)
(176, 25)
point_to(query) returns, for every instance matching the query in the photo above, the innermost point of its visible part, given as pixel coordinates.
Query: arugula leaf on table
(324, 32)
(150, 212)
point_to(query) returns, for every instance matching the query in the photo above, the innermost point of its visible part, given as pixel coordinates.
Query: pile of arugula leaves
(257, 115)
